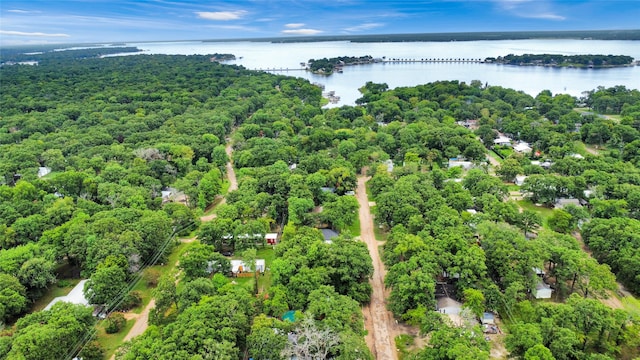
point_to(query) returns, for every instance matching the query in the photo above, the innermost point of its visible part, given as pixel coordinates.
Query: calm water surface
(532, 80)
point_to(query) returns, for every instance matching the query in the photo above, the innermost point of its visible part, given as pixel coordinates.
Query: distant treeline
(564, 60)
(463, 36)
(326, 66)
(50, 53)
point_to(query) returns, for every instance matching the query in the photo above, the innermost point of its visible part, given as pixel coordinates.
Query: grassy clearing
(354, 229)
(513, 187)
(495, 156)
(146, 292)
(378, 232)
(632, 305)
(544, 212)
(264, 280)
(111, 342)
(369, 193)
(403, 343)
(53, 292)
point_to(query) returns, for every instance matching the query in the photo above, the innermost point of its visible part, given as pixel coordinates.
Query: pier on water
(432, 60)
(392, 61)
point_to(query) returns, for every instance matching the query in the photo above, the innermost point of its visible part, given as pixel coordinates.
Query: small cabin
(43, 171)
(329, 235)
(488, 319)
(239, 267)
(542, 291)
(502, 141)
(562, 202)
(271, 238)
(520, 180)
(466, 165)
(522, 147)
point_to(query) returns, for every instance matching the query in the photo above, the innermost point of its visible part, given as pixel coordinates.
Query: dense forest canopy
(564, 60)
(113, 134)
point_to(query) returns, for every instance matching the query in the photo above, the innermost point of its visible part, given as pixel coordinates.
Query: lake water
(530, 79)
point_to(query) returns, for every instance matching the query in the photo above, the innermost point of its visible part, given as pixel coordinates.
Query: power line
(82, 343)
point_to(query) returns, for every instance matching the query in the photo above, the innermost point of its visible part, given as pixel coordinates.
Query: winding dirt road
(142, 319)
(379, 321)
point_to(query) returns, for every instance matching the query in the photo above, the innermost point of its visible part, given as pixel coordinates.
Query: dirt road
(142, 320)
(378, 321)
(231, 176)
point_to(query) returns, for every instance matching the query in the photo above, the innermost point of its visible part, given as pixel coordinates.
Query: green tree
(267, 339)
(509, 169)
(106, 285)
(528, 220)
(523, 337)
(64, 325)
(474, 300)
(201, 260)
(13, 300)
(341, 213)
(538, 352)
(249, 257)
(37, 273)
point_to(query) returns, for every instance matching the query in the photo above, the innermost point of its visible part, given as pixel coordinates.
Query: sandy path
(378, 321)
(492, 160)
(142, 320)
(233, 181)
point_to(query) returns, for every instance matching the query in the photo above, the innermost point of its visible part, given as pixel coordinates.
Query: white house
(466, 165)
(75, 296)
(522, 147)
(238, 266)
(43, 171)
(542, 291)
(502, 141)
(389, 164)
(562, 202)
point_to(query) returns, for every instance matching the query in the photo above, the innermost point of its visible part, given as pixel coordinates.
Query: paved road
(379, 321)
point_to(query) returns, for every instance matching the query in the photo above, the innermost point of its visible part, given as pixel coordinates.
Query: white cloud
(547, 16)
(18, 11)
(38, 34)
(531, 9)
(301, 32)
(221, 15)
(294, 25)
(363, 27)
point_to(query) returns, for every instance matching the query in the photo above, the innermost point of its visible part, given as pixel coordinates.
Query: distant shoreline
(624, 35)
(462, 36)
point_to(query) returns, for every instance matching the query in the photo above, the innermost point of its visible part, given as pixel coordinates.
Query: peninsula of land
(556, 60)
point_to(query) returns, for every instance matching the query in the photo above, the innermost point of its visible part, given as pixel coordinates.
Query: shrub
(114, 323)
(131, 300)
(151, 277)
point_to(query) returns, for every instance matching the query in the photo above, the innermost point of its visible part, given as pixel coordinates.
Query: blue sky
(82, 21)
